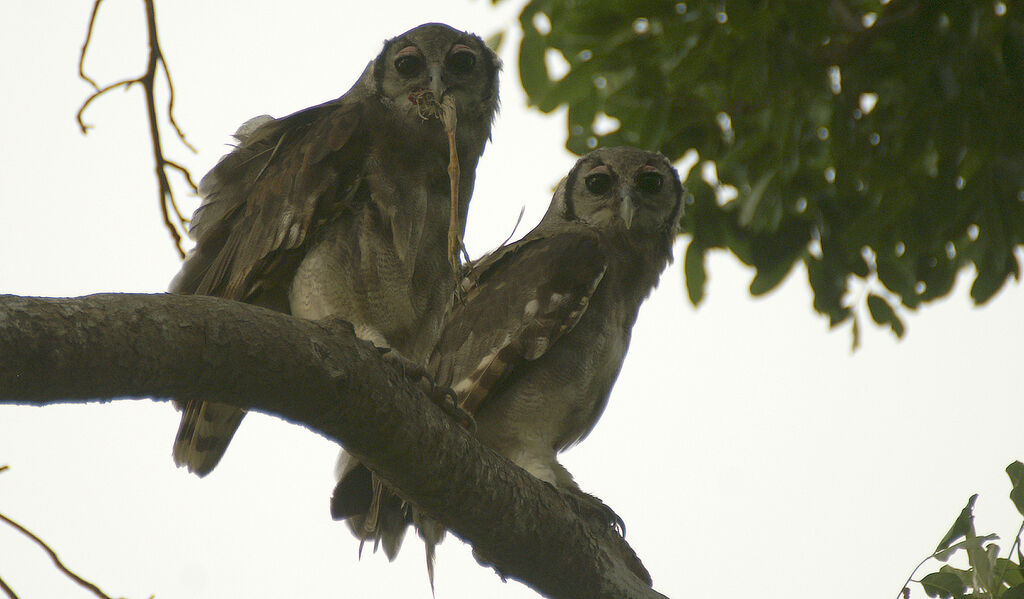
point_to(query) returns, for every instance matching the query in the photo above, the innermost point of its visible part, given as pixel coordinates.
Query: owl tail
(204, 434)
(372, 511)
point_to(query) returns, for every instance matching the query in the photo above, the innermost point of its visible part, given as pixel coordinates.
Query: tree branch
(95, 590)
(318, 374)
(147, 80)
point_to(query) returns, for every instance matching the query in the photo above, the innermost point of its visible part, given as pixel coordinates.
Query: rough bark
(122, 346)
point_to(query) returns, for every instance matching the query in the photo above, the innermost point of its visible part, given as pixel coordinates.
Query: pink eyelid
(460, 48)
(409, 51)
(599, 169)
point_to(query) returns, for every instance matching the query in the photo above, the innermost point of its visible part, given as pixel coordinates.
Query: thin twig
(56, 560)
(7, 590)
(85, 47)
(165, 193)
(99, 92)
(170, 99)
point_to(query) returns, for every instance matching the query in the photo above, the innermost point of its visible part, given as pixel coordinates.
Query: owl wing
(261, 201)
(519, 302)
(260, 204)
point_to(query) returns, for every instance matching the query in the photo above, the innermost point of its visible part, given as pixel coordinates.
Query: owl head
(623, 191)
(433, 61)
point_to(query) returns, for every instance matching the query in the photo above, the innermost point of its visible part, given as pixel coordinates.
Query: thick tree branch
(318, 374)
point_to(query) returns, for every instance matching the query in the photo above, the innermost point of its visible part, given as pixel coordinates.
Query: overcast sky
(746, 448)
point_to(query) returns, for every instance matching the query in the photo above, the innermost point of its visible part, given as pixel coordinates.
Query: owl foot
(591, 506)
(442, 395)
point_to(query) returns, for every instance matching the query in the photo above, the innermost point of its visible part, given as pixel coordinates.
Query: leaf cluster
(880, 143)
(988, 575)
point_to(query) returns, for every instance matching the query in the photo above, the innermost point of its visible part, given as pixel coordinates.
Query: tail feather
(203, 436)
(372, 511)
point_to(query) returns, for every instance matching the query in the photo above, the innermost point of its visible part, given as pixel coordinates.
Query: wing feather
(521, 300)
(266, 197)
(261, 203)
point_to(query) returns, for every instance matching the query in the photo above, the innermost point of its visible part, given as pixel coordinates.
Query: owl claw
(442, 395)
(591, 504)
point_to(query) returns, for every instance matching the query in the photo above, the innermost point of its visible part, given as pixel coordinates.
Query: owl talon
(442, 395)
(446, 399)
(589, 504)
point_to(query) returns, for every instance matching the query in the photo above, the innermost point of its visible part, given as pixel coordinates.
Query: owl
(345, 209)
(535, 346)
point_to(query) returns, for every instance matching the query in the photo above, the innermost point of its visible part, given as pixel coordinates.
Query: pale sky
(746, 449)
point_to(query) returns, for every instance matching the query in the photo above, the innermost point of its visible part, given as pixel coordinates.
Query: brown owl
(343, 209)
(535, 347)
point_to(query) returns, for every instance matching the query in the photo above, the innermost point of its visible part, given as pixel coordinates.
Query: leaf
(970, 544)
(883, 314)
(943, 584)
(696, 275)
(1016, 474)
(962, 527)
(1014, 592)
(1009, 572)
(768, 277)
(754, 198)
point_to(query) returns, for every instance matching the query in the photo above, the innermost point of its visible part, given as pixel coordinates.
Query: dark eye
(409, 62)
(598, 183)
(461, 60)
(649, 182)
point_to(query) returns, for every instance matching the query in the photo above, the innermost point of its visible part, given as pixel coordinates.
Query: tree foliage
(878, 142)
(987, 576)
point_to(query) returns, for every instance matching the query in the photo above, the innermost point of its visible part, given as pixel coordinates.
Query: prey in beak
(429, 106)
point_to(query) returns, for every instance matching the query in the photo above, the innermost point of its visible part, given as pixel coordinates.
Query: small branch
(80, 117)
(85, 48)
(7, 590)
(170, 89)
(165, 193)
(56, 560)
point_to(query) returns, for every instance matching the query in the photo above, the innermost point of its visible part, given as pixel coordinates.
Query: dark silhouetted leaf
(693, 265)
(944, 585)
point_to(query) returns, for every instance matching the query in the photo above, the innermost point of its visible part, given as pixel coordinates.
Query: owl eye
(409, 62)
(598, 182)
(462, 59)
(649, 182)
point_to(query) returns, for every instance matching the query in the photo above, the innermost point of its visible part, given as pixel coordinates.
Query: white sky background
(747, 450)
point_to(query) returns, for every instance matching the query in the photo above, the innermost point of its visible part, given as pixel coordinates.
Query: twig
(85, 46)
(56, 560)
(165, 193)
(7, 590)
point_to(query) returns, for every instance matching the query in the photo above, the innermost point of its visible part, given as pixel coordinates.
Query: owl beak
(437, 85)
(627, 209)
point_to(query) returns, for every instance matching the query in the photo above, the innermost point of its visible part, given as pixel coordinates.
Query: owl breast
(383, 266)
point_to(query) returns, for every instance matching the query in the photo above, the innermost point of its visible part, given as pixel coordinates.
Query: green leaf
(962, 527)
(1016, 473)
(883, 314)
(944, 585)
(696, 276)
(1014, 592)
(1009, 571)
(768, 277)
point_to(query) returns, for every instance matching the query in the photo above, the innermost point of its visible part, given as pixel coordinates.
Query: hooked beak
(437, 85)
(627, 209)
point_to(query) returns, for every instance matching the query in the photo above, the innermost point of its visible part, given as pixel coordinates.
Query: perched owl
(344, 208)
(535, 346)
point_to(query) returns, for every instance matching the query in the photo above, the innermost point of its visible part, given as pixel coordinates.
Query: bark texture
(318, 374)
